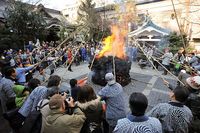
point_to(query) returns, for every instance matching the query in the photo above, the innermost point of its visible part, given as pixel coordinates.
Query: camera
(68, 110)
(67, 92)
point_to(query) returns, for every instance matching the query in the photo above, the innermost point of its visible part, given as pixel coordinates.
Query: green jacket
(20, 97)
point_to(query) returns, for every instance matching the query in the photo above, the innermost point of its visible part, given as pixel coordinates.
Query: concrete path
(154, 88)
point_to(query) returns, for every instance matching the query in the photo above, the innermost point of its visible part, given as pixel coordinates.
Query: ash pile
(103, 65)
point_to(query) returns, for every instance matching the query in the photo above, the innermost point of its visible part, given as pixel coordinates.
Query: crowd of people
(86, 112)
(21, 71)
(173, 62)
(31, 106)
(183, 105)
(47, 55)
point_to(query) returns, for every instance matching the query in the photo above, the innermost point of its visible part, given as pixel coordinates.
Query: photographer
(58, 121)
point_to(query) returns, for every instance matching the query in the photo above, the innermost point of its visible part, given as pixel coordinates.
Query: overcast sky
(54, 4)
(58, 4)
(61, 4)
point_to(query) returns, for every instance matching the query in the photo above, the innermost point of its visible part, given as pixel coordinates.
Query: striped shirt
(142, 124)
(32, 101)
(174, 117)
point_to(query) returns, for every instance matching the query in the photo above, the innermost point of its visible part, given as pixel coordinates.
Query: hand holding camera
(64, 95)
(70, 102)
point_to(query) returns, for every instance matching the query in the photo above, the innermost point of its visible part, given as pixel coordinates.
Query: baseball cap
(110, 78)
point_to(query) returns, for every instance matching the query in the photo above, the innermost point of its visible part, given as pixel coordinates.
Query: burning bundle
(113, 51)
(103, 65)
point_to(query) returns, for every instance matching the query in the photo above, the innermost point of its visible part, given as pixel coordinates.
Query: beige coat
(57, 122)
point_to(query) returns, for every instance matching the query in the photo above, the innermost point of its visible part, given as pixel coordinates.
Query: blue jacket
(21, 73)
(6, 91)
(115, 102)
(32, 101)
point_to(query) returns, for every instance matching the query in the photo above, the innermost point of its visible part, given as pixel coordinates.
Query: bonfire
(112, 58)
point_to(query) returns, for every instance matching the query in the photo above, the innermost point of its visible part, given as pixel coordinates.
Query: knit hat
(110, 78)
(194, 82)
(55, 101)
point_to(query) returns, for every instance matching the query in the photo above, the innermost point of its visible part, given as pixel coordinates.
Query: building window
(156, 37)
(143, 37)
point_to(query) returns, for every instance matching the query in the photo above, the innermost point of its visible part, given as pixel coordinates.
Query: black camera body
(67, 92)
(68, 110)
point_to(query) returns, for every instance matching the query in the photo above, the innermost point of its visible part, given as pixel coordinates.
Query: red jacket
(69, 56)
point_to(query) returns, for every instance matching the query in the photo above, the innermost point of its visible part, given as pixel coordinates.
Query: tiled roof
(149, 24)
(140, 2)
(54, 14)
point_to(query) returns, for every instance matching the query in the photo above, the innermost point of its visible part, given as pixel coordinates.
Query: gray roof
(53, 14)
(140, 2)
(149, 23)
(105, 8)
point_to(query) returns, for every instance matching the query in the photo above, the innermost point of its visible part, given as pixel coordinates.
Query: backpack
(33, 122)
(15, 119)
(193, 103)
(93, 120)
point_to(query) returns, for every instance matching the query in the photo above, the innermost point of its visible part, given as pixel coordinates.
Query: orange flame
(114, 44)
